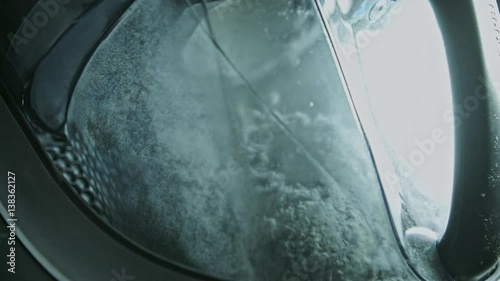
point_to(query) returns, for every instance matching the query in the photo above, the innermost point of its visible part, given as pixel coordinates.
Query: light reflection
(407, 79)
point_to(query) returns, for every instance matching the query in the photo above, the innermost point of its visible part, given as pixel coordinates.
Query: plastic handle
(470, 247)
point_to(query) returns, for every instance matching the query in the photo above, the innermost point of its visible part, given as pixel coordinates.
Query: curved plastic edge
(40, 29)
(57, 232)
(470, 247)
(57, 72)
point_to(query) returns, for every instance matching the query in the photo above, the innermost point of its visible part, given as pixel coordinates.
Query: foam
(210, 179)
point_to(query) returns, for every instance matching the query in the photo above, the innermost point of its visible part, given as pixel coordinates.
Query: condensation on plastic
(232, 144)
(398, 81)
